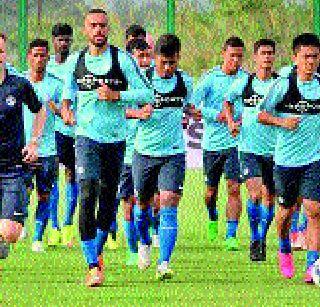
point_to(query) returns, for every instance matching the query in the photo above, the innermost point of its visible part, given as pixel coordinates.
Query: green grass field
(205, 274)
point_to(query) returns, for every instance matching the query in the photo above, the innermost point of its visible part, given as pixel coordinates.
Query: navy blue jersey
(14, 92)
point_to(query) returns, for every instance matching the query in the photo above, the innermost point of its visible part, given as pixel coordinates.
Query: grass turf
(205, 274)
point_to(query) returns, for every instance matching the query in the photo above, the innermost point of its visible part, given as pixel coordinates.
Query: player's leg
(155, 220)
(12, 212)
(213, 168)
(111, 157)
(46, 178)
(170, 184)
(310, 192)
(302, 230)
(267, 207)
(287, 184)
(112, 241)
(66, 153)
(234, 204)
(88, 174)
(126, 193)
(145, 177)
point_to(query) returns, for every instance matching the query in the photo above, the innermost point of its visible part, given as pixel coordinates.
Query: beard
(100, 44)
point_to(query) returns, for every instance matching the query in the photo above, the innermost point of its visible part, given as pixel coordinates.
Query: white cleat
(163, 271)
(23, 234)
(144, 256)
(37, 247)
(155, 241)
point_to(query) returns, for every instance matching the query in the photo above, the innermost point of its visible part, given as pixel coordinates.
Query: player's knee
(169, 198)
(211, 195)
(233, 189)
(43, 196)
(10, 230)
(127, 210)
(312, 210)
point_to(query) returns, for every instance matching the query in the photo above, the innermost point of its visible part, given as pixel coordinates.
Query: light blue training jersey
(47, 90)
(162, 134)
(301, 146)
(254, 137)
(209, 96)
(104, 121)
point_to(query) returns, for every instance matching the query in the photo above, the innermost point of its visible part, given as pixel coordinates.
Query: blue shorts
(12, 204)
(292, 182)
(253, 166)
(96, 160)
(126, 182)
(217, 162)
(66, 151)
(153, 174)
(45, 171)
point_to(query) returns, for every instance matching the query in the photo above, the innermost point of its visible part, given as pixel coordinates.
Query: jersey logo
(92, 82)
(11, 101)
(303, 106)
(253, 101)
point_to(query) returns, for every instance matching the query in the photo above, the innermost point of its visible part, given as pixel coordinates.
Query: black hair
(135, 31)
(264, 42)
(137, 44)
(168, 45)
(233, 41)
(305, 39)
(61, 29)
(39, 42)
(97, 11)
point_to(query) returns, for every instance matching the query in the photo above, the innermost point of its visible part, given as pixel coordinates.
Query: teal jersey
(47, 90)
(209, 96)
(254, 137)
(302, 145)
(285, 71)
(59, 71)
(104, 121)
(162, 134)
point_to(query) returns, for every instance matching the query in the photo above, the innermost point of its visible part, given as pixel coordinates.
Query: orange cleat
(94, 277)
(101, 263)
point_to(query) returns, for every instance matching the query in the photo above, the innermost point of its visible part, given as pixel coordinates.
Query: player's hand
(30, 152)
(145, 112)
(290, 123)
(234, 128)
(53, 107)
(105, 93)
(67, 116)
(222, 117)
(196, 114)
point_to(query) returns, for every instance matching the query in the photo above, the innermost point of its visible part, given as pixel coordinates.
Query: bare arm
(289, 123)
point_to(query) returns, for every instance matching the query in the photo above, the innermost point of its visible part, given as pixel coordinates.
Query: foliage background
(202, 25)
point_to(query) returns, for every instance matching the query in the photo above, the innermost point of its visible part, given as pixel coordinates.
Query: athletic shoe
(67, 235)
(155, 241)
(144, 256)
(263, 250)
(94, 277)
(163, 272)
(23, 234)
(4, 250)
(54, 237)
(255, 251)
(112, 242)
(101, 263)
(232, 244)
(212, 230)
(132, 259)
(286, 265)
(37, 247)
(308, 276)
(295, 243)
(302, 240)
